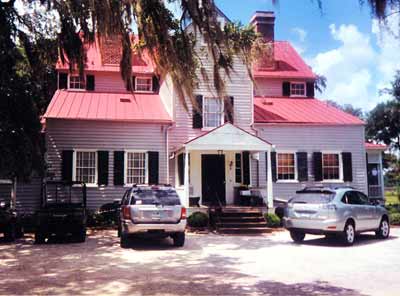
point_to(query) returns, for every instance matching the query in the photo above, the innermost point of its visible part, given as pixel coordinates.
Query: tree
(348, 108)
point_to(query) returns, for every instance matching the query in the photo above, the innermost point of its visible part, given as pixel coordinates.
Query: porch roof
(228, 137)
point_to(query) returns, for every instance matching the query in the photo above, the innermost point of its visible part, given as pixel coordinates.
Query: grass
(391, 198)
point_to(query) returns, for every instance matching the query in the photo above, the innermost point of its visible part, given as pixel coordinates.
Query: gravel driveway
(207, 265)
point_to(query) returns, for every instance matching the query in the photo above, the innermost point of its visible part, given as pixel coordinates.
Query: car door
(359, 212)
(371, 219)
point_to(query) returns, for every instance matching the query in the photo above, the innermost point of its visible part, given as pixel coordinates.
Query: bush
(395, 218)
(99, 219)
(272, 220)
(198, 220)
(393, 209)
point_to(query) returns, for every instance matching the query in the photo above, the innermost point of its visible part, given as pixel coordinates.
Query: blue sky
(342, 42)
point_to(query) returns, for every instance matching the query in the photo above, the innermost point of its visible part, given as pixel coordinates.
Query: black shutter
(302, 166)
(317, 164)
(310, 89)
(181, 165)
(153, 167)
(198, 114)
(156, 84)
(246, 167)
(286, 89)
(62, 80)
(347, 167)
(102, 167)
(229, 110)
(66, 165)
(90, 82)
(119, 167)
(273, 165)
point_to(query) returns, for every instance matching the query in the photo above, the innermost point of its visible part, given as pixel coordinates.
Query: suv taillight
(183, 213)
(126, 212)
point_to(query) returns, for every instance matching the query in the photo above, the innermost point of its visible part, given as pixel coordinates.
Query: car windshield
(313, 198)
(165, 197)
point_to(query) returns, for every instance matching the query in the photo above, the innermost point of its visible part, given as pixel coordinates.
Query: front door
(374, 187)
(213, 179)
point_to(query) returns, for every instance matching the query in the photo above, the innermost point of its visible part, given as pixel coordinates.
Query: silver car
(342, 212)
(152, 211)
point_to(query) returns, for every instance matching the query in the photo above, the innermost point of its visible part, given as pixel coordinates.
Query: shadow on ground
(100, 266)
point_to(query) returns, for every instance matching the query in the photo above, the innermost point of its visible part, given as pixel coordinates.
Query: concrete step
(240, 214)
(241, 225)
(242, 219)
(245, 231)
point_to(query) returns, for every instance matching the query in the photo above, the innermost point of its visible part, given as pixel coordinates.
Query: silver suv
(152, 211)
(341, 212)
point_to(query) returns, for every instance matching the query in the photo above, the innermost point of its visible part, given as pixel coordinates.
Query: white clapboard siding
(313, 139)
(107, 136)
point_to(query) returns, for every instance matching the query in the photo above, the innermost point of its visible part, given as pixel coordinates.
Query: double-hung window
(286, 166)
(75, 82)
(143, 84)
(86, 167)
(213, 112)
(298, 89)
(331, 166)
(136, 168)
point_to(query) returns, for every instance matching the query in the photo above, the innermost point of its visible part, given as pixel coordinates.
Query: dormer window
(213, 112)
(297, 89)
(143, 84)
(75, 82)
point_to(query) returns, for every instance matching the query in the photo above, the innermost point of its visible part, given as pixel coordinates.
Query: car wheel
(124, 241)
(179, 239)
(349, 234)
(19, 232)
(39, 238)
(9, 233)
(384, 229)
(297, 236)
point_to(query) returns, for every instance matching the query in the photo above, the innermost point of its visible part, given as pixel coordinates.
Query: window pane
(86, 167)
(286, 166)
(212, 112)
(136, 168)
(143, 84)
(297, 89)
(330, 166)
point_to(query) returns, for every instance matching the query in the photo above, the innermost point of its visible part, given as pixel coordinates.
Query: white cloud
(299, 43)
(300, 33)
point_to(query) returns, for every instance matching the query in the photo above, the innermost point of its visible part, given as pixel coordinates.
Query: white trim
(96, 180)
(296, 177)
(340, 180)
(298, 82)
(144, 77)
(146, 166)
(208, 128)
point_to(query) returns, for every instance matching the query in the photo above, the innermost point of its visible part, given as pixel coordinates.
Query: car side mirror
(374, 202)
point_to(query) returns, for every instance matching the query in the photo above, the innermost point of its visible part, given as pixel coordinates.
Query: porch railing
(375, 191)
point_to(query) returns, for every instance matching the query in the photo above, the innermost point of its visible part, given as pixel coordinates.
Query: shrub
(395, 218)
(393, 209)
(272, 220)
(198, 220)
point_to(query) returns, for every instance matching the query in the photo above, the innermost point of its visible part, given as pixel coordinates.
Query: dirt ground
(208, 264)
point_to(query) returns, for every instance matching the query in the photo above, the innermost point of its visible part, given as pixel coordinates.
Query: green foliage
(98, 219)
(320, 83)
(348, 108)
(198, 220)
(394, 218)
(272, 220)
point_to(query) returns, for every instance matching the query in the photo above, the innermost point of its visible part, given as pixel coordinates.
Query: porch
(375, 170)
(215, 169)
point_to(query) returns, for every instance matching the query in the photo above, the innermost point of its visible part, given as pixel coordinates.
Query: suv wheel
(384, 229)
(349, 234)
(9, 233)
(124, 241)
(179, 239)
(297, 236)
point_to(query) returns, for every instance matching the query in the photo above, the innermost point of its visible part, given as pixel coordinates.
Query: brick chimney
(264, 23)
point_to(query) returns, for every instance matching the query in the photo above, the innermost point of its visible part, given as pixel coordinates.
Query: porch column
(186, 178)
(382, 180)
(270, 197)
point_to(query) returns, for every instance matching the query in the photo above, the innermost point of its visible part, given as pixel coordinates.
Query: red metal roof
(280, 110)
(94, 61)
(289, 64)
(372, 146)
(83, 105)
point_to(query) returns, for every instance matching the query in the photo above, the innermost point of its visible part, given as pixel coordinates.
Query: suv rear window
(313, 198)
(165, 197)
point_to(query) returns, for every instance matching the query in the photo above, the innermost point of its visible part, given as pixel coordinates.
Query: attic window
(75, 82)
(297, 89)
(125, 100)
(143, 84)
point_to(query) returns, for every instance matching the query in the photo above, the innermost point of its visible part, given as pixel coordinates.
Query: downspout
(170, 126)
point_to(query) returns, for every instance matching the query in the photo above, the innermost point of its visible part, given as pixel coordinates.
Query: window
(75, 82)
(238, 168)
(331, 166)
(136, 168)
(298, 89)
(355, 198)
(86, 167)
(286, 166)
(143, 84)
(213, 112)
